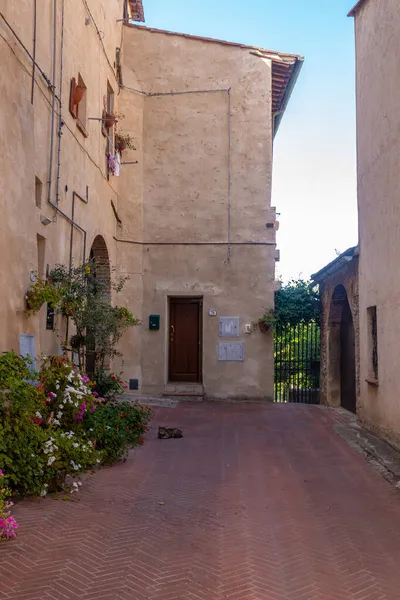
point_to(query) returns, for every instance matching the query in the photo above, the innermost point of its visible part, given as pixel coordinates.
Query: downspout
(34, 49)
(53, 102)
(61, 122)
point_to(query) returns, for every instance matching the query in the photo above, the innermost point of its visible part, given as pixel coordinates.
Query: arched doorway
(101, 273)
(341, 352)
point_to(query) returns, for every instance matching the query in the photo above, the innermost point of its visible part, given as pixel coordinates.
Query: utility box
(154, 322)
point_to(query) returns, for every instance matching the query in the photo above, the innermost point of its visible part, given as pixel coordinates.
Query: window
(38, 192)
(78, 103)
(41, 253)
(372, 344)
(108, 131)
(81, 110)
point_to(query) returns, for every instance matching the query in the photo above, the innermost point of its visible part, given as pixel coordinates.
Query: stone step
(185, 389)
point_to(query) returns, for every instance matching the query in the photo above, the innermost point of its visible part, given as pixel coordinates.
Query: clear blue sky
(314, 166)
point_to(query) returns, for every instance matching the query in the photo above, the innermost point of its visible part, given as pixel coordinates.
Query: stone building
(189, 217)
(378, 154)
(340, 338)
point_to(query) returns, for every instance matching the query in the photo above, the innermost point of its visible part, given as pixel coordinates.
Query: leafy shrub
(117, 427)
(8, 525)
(53, 424)
(108, 385)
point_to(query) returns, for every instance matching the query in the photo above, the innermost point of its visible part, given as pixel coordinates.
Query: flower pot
(79, 92)
(109, 120)
(264, 327)
(120, 144)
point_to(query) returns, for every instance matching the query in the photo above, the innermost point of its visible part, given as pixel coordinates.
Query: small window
(41, 254)
(372, 343)
(109, 131)
(78, 103)
(38, 192)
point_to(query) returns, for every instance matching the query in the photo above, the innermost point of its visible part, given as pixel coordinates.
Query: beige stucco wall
(25, 142)
(378, 123)
(196, 155)
(185, 160)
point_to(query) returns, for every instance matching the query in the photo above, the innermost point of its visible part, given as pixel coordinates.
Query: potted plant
(123, 141)
(40, 292)
(267, 321)
(109, 120)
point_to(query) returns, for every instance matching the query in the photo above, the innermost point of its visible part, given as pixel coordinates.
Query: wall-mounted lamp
(45, 220)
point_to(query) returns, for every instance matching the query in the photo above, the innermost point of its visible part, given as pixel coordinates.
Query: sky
(314, 175)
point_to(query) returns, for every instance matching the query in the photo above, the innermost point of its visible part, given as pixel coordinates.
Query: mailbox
(154, 322)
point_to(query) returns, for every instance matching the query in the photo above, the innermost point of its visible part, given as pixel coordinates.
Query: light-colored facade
(189, 219)
(377, 24)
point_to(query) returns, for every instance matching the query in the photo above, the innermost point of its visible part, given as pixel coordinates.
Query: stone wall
(331, 313)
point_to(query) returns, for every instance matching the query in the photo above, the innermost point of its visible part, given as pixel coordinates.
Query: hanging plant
(267, 321)
(124, 141)
(42, 291)
(111, 164)
(109, 120)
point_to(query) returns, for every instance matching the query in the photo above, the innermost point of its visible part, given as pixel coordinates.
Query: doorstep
(184, 391)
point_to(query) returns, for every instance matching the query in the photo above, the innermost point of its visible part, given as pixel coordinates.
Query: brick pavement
(256, 502)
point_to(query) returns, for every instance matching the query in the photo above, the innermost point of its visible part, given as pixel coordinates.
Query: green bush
(117, 427)
(53, 424)
(108, 385)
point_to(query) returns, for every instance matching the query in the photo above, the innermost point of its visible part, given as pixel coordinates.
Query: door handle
(172, 333)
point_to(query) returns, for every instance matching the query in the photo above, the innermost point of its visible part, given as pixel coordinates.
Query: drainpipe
(34, 49)
(53, 102)
(61, 122)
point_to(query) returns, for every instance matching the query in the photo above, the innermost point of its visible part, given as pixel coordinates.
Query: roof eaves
(356, 8)
(272, 54)
(136, 10)
(336, 264)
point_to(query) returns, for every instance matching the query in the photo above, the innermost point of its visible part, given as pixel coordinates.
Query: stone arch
(99, 257)
(341, 352)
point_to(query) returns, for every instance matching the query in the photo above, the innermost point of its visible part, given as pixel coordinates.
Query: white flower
(55, 447)
(97, 460)
(39, 416)
(76, 467)
(57, 386)
(90, 443)
(59, 414)
(75, 445)
(108, 427)
(51, 460)
(46, 450)
(91, 429)
(56, 422)
(43, 493)
(79, 483)
(33, 456)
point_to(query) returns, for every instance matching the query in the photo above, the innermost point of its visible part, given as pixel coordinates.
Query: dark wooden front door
(185, 339)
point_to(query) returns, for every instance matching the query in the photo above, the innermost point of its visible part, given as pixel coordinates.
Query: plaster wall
(378, 142)
(25, 135)
(207, 166)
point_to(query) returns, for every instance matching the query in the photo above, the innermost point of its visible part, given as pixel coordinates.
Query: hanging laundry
(117, 163)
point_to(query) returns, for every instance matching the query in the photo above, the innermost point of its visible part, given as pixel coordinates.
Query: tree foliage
(297, 302)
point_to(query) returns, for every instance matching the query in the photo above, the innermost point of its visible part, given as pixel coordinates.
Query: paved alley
(256, 502)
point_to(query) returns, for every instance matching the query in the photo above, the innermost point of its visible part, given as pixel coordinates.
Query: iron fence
(297, 363)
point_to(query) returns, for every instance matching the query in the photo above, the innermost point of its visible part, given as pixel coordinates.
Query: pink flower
(85, 379)
(96, 394)
(1, 473)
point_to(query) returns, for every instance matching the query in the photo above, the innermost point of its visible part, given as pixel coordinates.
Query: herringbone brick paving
(256, 502)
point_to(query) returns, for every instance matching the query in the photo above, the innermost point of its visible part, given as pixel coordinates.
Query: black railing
(297, 363)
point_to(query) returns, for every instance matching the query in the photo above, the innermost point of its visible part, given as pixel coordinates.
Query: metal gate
(297, 363)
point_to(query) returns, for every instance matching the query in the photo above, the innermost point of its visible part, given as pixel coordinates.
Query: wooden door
(185, 340)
